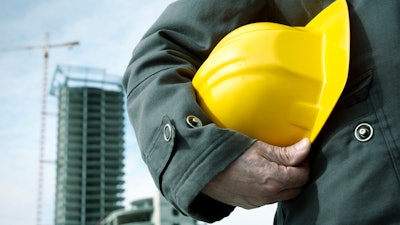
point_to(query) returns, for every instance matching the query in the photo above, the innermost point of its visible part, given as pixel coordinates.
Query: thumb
(291, 155)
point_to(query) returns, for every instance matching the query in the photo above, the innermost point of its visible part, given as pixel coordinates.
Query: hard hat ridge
(282, 88)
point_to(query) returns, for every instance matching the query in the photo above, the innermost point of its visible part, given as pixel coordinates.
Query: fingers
(262, 175)
(274, 182)
(288, 156)
(289, 168)
(286, 194)
(257, 201)
(291, 177)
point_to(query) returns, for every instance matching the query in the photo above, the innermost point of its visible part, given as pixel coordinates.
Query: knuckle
(272, 186)
(302, 177)
(306, 177)
(251, 203)
(285, 154)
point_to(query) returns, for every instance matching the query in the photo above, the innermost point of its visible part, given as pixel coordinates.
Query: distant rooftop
(80, 76)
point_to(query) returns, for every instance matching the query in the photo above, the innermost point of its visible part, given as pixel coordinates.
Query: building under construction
(90, 145)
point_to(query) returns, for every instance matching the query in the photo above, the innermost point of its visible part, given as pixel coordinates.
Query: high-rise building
(90, 145)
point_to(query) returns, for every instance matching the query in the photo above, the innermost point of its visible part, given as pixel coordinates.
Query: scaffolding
(80, 76)
(90, 145)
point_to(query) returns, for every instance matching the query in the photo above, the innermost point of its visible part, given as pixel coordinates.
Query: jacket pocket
(158, 155)
(356, 90)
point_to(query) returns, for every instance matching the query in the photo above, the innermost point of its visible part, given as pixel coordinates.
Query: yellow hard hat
(277, 83)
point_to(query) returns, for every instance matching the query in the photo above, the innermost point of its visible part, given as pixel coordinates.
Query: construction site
(90, 145)
(90, 155)
(90, 150)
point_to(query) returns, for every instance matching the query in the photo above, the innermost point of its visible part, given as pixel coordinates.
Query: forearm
(160, 95)
(183, 165)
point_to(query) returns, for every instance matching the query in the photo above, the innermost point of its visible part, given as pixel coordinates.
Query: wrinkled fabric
(351, 182)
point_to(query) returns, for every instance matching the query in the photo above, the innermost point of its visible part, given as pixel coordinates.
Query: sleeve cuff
(209, 210)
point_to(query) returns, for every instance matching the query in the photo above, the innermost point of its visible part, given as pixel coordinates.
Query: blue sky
(107, 31)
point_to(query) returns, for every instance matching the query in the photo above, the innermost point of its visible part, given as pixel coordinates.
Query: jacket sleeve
(181, 159)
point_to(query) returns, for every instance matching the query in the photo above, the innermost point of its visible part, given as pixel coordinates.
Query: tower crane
(45, 47)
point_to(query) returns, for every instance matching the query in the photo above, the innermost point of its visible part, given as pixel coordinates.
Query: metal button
(167, 132)
(364, 132)
(194, 121)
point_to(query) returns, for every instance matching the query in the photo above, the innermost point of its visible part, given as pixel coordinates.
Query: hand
(262, 175)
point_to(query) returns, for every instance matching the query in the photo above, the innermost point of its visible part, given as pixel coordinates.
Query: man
(351, 175)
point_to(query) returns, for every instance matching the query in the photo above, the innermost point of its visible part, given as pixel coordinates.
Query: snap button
(194, 121)
(364, 132)
(167, 132)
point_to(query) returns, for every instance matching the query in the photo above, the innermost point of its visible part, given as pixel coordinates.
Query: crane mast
(46, 47)
(42, 141)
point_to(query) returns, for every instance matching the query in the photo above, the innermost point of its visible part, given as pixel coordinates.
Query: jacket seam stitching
(146, 78)
(201, 159)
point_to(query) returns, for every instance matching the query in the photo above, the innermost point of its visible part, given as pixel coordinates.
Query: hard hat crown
(274, 82)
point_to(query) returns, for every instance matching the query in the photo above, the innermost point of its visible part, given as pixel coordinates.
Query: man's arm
(183, 160)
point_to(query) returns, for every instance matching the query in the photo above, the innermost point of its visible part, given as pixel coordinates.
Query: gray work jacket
(355, 161)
